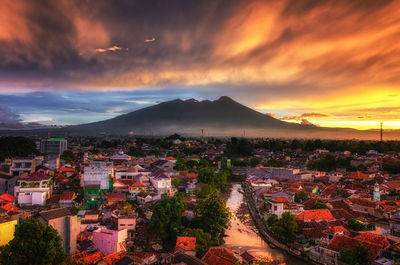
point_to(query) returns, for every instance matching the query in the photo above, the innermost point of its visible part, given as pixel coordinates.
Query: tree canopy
(166, 220)
(213, 215)
(34, 243)
(14, 146)
(286, 227)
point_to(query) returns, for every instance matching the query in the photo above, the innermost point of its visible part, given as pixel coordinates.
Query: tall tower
(377, 194)
(381, 131)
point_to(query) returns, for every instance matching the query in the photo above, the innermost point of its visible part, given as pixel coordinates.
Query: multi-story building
(34, 189)
(98, 173)
(66, 224)
(21, 165)
(53, 146)
(110, 241)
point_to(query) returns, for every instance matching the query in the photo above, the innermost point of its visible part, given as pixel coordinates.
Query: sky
(330, 63)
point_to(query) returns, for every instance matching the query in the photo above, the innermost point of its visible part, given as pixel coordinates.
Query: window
(275, 208)
(122, 224)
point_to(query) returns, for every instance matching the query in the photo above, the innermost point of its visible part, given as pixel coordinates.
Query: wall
(7, 230)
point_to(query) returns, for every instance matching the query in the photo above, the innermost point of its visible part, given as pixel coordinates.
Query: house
(34, 189)
(220, 256)
(7, 182)
(110, 241)
(340, 242)
(128, 222)
(21, 165)
(276, 205)
(67, 197)
(365, 206)
(66, 224)
(143, 198)
(98, 173)
(164, 164)
(138, 187)
(315, 215)
(161, 182)
(115, 198)
(186, 244)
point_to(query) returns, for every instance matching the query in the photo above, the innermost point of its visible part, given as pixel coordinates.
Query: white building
(161, 182)
(35, 189)
(98, 173)
(21, 165)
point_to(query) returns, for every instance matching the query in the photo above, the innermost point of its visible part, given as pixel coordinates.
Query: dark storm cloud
(258, 52)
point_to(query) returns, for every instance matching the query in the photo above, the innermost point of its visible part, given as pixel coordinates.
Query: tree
(16, 146)
(286, 227)
(320, 205)
(33, 243)
(357, 255)
(68, 156)
(356, 225)
(180, 165)
(272, 220)
(176, 182)
(203, 240)
(213, 215)
(301, 196)
(166, 220)
(206, 190)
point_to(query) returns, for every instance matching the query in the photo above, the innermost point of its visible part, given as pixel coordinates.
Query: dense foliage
(16, 147)
(68, 156)
(203, 240)
(166, 220)
(285, 227)
(356, 225)
(301, 196)
(320, 205)
(33, 243)
(212, 215)
(358, 255)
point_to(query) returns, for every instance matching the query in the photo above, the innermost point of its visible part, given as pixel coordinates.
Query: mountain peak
(225, 98)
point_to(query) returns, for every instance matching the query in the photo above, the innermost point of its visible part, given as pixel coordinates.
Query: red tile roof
(7, 197)
(114, 257)
(138, 184)
(186, 243)
(358, 175)
(36, 176)
(340, 242)
(336, 229)
(320, 214)
(170, 158)
(192, 175)
(10, 208)
(280, 199)
(364, 202)
(374, 239)
(67, 196)
(219, 256)
(65, 169)
(84, 256)
(114, 197)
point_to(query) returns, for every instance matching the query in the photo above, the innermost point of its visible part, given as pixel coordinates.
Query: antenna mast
(381, 131)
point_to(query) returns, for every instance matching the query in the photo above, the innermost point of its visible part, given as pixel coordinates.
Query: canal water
(242, 234)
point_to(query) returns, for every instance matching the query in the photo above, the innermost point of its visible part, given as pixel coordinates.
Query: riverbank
(266, 234)
(242, 234)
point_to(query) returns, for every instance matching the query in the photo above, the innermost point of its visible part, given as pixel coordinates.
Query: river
(242, 234)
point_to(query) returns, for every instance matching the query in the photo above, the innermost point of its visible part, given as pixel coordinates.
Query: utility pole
(381, 131)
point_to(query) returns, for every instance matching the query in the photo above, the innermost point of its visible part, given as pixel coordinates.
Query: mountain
(222, 117)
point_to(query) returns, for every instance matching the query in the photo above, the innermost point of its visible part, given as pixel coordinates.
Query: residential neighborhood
(179, 201)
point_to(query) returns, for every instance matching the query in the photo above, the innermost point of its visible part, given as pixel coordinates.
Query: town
(147, 200)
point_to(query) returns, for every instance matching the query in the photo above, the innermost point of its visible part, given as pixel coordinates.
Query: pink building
(110, 241)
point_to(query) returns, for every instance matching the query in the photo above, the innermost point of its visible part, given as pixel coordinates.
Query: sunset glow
(340, 58)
